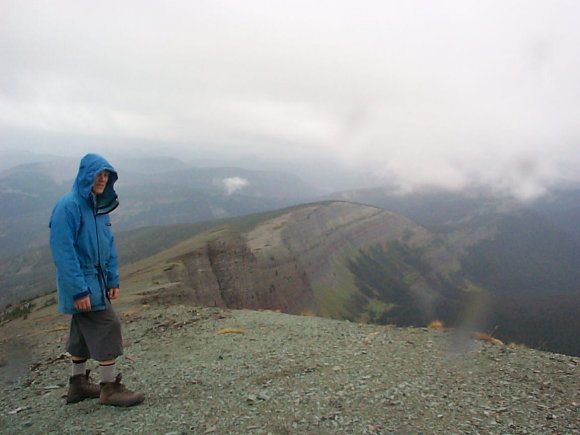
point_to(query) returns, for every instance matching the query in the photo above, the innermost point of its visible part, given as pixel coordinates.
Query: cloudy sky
(443, 93)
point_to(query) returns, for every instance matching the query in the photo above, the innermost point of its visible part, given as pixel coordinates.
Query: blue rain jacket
(81, 240)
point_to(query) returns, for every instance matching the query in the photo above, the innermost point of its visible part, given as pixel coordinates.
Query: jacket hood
(91, 165)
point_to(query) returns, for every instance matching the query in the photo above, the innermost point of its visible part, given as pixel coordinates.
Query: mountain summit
(221, 371)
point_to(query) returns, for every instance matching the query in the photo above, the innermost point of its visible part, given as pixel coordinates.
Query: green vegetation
(398, 286)
(19, 311)
(375, 310)
(50, 301)
(332, 298)
(333, 295)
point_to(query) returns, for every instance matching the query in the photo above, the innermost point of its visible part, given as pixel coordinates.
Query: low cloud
(446, 94)
(233, 184)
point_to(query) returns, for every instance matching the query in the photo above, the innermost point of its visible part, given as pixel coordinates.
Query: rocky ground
(213, 371)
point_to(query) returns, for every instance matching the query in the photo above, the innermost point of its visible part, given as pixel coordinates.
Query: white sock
(79, 367)
(107, 372)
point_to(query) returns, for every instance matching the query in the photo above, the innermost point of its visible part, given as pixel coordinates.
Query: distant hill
(160, 191)
(562, 208)
(10, 158)
(442, 210)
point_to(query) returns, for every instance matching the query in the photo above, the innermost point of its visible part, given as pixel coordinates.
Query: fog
(450, 94)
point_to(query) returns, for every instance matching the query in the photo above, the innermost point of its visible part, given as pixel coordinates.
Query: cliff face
(226, 273)
(282, 262)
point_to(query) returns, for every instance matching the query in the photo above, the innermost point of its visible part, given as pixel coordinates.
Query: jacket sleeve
(113, 271)
(64, 225)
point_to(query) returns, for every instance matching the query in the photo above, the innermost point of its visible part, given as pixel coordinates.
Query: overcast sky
(422, 92)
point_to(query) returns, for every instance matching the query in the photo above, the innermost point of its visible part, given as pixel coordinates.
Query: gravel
(208, 370)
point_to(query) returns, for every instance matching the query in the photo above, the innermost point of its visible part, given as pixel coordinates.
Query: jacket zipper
(102, 282)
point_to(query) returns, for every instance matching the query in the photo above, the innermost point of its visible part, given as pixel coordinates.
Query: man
(84, 253)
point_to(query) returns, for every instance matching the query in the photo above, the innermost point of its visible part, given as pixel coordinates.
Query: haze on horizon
(448, 93)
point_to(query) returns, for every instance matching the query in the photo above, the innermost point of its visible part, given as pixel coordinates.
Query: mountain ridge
(349, 261)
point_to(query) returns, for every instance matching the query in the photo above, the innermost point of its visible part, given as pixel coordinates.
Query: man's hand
(83, 304)
(113, 293)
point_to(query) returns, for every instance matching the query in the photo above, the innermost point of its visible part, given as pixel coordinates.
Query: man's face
(100, 182)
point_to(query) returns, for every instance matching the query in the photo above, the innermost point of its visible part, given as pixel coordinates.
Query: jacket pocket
(95, 289)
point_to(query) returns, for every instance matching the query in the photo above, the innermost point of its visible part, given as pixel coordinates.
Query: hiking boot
(116, 394)
(81, 387)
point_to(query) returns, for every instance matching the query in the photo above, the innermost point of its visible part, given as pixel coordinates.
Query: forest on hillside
(413, 294)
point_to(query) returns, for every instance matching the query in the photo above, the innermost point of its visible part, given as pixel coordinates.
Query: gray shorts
(96, 335)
